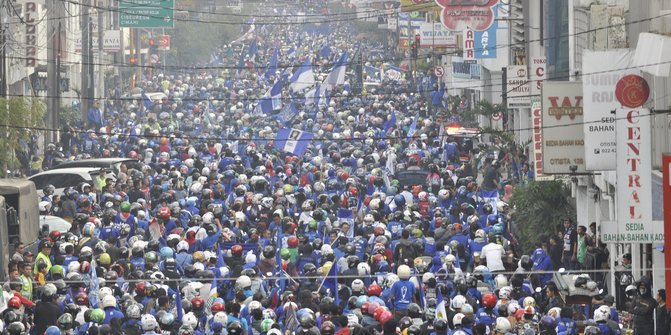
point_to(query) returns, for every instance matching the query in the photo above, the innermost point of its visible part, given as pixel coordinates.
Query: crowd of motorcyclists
(217, 231)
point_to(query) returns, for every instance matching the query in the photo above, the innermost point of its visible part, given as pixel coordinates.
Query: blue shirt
(403, 292)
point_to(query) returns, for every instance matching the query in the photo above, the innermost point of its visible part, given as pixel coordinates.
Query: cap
(47, 244)
(626, 256)
(609, 299)
(28, 254)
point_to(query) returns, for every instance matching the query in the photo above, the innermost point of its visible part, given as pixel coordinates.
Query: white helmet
(501, 281)
(208, 217)
(513, 306)
(450, 259)
(505, 292)
(182, 246)
(467, 309)
(479, 233)
(243, 282)
(391, 279)
(109, 301)
(456, 319)
(363, 269)
(74, 266)
(368, 219)
(602, 313)
(190, 319)
(458, 302)
(104, 292)
(403, 272)
(221, 317)
(148, 322)
(529, 301)
(426, 277)
(357, 285)
(502, 325)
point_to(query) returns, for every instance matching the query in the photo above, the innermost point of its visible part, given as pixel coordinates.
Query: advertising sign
(463, 70)
(418, 5)
(435, 35)
(485, 42)
(634, 179)
(469, 45)
(562, 135)
(477, 14)
(111, 41)
(518, 87)
(537, 159)
(601, 72)
(537, 75)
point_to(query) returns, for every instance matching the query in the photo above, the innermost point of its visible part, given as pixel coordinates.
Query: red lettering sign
(459, 14)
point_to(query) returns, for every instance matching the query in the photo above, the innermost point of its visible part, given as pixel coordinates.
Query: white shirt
(493, 253)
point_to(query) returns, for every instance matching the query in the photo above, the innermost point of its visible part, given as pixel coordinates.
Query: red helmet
(82, 299)
(197, 304)
(372, 307)
(164, 213)
(139, 288)
(55, 235)
(386, 316)
(132, 154)
(353, 191)
(374, 290)
(378, 313)
(107, 153)
(236, 250)
(85, 267)
(489, 300)
(519, 315)
(14, 302)
(378, 230)
(217, 307)
(292, 242)
(365, 306)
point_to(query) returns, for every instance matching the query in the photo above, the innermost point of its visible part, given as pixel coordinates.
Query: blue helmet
(399, 200)
(492, 218)
(53, 330)
(497, 229)
(167, 252)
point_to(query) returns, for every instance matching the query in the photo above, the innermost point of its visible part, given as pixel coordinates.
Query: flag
(303, 77)
(490, 197)
(346, 215)
(391, 123)
(291, 321)
(413, 127)
(325, 51)
(214, 286)
(372, 72)
(437, 97)
(422, 299)
(241, 60)
(331, 282)
(391, 72)
(272, 101)
(314, 96)
(337, 75)
(253, 49)
(272, 65)
(291, 53)
(288, 113)
(441, 311)
(148, 104)
(214, 58)
(93, 285)
(293, 141)
(178, 305)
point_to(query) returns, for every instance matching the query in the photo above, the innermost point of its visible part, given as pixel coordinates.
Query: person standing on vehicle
(569, 254)
(643, 308)
(491, 177)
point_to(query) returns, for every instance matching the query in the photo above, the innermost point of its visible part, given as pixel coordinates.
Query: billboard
(479, 15)
(418, 5)
(537, 76)
(601, 72)
(562, 135)
(518, 87)
(537, 158)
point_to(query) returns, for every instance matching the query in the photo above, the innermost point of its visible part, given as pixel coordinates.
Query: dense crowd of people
(216, 230)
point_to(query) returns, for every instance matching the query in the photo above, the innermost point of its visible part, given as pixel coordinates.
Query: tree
(538, 209)
(488, 109)
(18, 117)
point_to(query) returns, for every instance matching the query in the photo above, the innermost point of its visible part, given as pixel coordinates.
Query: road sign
(147, 13)
(497, 116)
(439, 71)
(164, 42)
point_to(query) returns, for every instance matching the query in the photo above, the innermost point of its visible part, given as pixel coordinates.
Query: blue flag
(325, 51)
(93, 285)
(391, 122)
(337, 74)
(441, 311)
(413, 127)
(288, 113)
(272, 66)
(331, 282)
(293, 141)
(148, 104)
(272, 101)
(241, 60)
(303, 77)
(178, 305)
(253, 49)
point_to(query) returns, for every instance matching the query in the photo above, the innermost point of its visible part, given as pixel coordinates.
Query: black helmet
(269, 252)
(307, 321)
(309, 269)
(350, 249)
(414, 311)
(235, 328)
(352, 261)
(65, 321)
(440, 324)
(526, 262)
(16, 328)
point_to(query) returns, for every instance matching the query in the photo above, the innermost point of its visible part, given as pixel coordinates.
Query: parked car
(67, 177)
(102, 163)
(49, 223)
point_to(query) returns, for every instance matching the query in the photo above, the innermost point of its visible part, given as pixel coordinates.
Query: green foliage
(486, 108)
(22, 114)
(539, 207)
(69, 115)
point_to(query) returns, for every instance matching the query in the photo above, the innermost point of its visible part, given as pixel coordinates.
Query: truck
(19, 218)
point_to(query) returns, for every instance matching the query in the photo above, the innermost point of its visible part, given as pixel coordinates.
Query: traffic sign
(439, 71)
(496, 116)
(147, 13)
(164, 42)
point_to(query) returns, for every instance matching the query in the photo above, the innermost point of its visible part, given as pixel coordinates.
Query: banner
(293, 141)
(485, 42)
(634, 178)
(562, 134)
(418, 5)
(518, 87)
(602, 70)
(457, 15)
(537, 158)
(463, 70)
(436, 35)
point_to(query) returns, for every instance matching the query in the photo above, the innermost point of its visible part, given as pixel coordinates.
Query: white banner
(563, 138)
(602, 70)
(436, 35)
(111, 41)
(634, 178)
(518, 87)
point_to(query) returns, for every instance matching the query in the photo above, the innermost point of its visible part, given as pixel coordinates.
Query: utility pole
(55, 10)
(86, 61)
(101, 33)
(3, 57)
